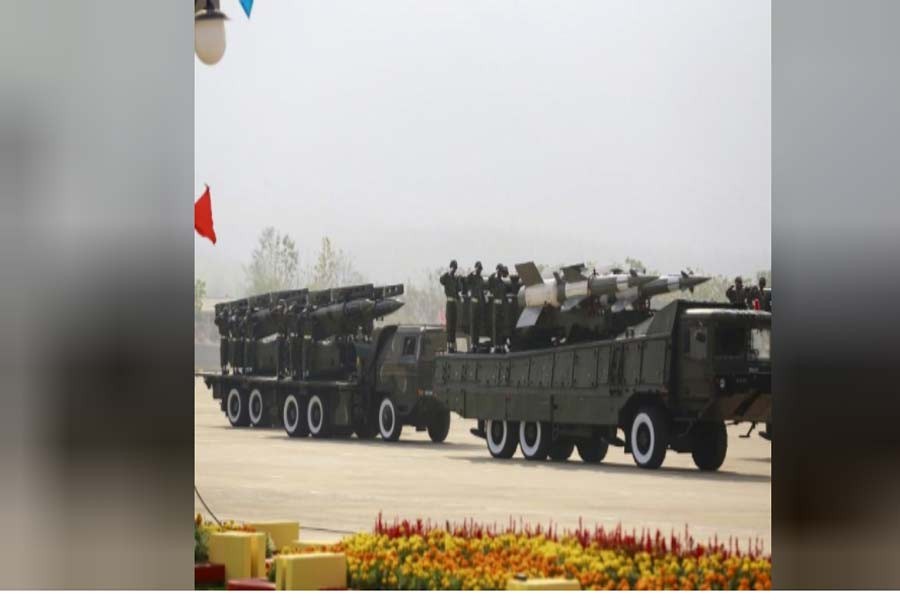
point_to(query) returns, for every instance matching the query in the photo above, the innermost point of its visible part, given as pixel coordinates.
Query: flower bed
(419, 555)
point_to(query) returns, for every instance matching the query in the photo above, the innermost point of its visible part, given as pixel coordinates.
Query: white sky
(412, 132)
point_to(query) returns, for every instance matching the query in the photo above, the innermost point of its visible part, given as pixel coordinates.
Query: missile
(385, 307)
(569, 289)
(673, 283)
(346, 317)
(658, 285)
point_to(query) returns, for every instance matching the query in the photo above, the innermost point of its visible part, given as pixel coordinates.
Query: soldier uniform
(737, 293)
(497, 288)
(512, 302)
(250, 324)
(282, 366)
(235, 340)
(295, 340)
(475, 285)
(221, 322)
(765, 296)
(452, 286)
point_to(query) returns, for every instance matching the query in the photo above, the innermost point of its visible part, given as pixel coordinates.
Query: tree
(274, 264)
(423, 299)
(333, 268)
(199, 296)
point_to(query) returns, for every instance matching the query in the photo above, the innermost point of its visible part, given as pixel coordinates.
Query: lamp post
(209, 31)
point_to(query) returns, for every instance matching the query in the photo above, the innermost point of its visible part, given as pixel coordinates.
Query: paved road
(337, 485)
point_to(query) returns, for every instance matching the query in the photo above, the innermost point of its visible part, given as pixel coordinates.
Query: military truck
(314, 363)
(669, 379)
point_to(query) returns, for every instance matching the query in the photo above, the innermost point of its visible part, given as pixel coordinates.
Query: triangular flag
(248, 6)
(203, 222)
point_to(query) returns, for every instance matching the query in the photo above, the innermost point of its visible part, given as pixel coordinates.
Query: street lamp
(209, 31)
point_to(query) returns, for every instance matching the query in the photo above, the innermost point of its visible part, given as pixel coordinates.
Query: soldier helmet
(738, 280)
(500, 267)
(453, 264)
(762, 282)
(478, 265)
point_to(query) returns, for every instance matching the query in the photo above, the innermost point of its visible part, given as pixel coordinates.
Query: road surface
(334, 486)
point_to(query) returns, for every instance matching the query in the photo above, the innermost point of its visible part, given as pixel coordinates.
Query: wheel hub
(496, 432)
(643, 439)
(530, 433)
(387, 418)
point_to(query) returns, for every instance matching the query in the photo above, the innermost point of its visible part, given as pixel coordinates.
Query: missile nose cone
(694, 280)
(387, 306)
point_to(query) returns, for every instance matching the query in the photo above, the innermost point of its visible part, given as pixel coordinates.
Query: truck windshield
(731, 341)
(741, 342)
(760, 344)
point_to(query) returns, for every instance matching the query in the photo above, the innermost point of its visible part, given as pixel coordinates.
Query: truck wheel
(293, 417)
(439, 426)
(592, 451)
(236, 409)
(710, 444)
(317, 418)
(388, 425)
(256, 408)
(649, 437)
(501, 438)
(534, 440)
(561, 450)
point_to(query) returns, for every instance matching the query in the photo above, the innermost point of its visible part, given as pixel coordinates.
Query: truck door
(398, 371)
(694, 360)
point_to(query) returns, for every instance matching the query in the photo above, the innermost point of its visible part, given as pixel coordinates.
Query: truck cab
(404, 376)
(725, 365)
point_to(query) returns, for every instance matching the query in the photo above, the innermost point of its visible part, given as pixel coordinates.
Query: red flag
(203, 222)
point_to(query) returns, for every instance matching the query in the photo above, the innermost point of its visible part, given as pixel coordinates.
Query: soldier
(737, 294)
(236, 339)
(249, 328)
(452, 287)
(280, 312)
(765, 295)
(221, 322)
(512, 303)
(497, 288)
(297, 339)
(475, 286)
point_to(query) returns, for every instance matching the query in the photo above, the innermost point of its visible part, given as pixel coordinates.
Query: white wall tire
(388, 424)
(293, 417)
(256, 408)
(649, 437)
(316, 417)
(502, 438)
(534, 440)
(236, 409)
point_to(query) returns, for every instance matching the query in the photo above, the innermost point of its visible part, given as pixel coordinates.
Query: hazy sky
(412, 132)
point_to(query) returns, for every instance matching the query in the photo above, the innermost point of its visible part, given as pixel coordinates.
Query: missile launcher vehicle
(587, 358)
(314, 362)
(583, 357)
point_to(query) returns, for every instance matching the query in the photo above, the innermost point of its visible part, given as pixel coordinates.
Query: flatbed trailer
(389, 389)
(669, 383)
